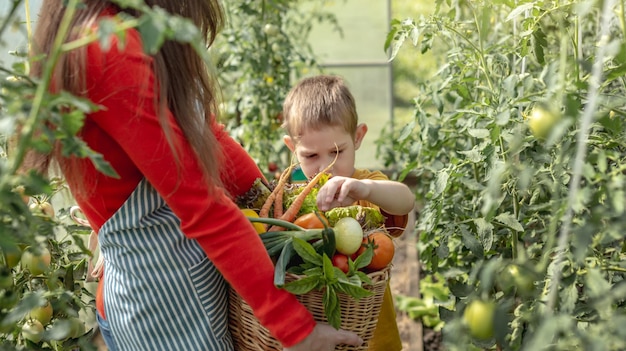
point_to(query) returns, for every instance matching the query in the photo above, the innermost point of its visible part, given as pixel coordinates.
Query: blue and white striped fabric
(160, 290)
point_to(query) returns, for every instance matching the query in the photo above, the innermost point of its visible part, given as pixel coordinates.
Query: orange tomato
(311, 221)
(383, 250)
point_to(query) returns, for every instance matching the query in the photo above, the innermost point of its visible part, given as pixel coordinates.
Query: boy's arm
(393, 197)
(395, 224)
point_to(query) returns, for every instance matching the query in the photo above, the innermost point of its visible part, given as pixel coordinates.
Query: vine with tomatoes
(518, 145)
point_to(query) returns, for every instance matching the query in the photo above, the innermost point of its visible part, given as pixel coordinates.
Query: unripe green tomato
(32, 330)
(270, 29)
(542, 120)
(42, 313)
(6, 278)
(36, 262)
(478, 316)
(523, 280)
(12, 254)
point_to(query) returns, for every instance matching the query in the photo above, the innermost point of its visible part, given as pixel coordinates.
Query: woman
(171, 236)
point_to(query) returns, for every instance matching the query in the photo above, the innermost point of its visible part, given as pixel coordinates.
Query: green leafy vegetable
(368, 217)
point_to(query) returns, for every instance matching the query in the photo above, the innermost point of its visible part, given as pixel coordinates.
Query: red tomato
(360, 250)
(383, 250)
(272, 167)
(311, 221)
(341, 261)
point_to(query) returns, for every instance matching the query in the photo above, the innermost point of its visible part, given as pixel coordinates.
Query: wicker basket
(359, 316)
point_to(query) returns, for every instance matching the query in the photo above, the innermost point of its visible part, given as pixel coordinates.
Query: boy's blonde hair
(317, 102)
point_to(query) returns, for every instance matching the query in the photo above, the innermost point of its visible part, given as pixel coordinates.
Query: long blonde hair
(186, 86)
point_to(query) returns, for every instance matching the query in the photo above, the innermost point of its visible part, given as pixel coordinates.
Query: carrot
(271, 199)
(292, 211)
(278, 202)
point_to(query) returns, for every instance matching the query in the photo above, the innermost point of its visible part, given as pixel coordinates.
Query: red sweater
(126, 131)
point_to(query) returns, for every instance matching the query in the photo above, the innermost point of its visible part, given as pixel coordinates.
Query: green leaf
(472, 244)
(363, 277)
(519, 10)
(539, 42)
(153, 31)
(569, 298)
(303, 285)
(306, 251)
(329, 271)
(509, 220)
(72, 121)
(354, 291)
(441, 183)
(364, 258)
(595, 284)
(485, 233)
(281, 265)
(331, 307)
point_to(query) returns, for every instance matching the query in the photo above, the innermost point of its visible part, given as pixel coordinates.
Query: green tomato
(542, 120)
(12, 254)
(478, 316)
(32, 330)
(36, 262)
(42, 313)
(523, 281)
(270, 30)
(6, 278)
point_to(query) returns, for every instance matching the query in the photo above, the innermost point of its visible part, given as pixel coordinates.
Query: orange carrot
(271, 199)
(278, 202)
(292, 211)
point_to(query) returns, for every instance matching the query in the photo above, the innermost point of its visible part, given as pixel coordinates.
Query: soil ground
(405, 275)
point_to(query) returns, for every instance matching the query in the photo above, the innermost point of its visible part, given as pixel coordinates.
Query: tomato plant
(311, 220)
(518, 145)
(259, 52)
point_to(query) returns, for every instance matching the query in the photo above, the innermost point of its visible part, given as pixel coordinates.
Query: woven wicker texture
(359, 316)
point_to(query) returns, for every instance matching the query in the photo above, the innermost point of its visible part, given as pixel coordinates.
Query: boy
(321, 120)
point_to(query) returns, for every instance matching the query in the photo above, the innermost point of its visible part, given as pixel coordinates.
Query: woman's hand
(326, 338)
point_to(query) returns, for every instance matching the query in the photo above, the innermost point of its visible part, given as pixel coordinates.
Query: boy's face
(316, 149)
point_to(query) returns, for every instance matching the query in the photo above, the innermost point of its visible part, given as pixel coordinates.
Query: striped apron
(160, 290)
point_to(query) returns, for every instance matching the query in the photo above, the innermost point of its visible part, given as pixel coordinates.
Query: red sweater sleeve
(239, 169)
(122, 81)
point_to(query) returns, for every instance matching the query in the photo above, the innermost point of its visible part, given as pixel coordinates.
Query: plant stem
(587, 119)
(34, 116)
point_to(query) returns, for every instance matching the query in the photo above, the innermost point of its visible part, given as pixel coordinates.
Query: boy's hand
(340, 192)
